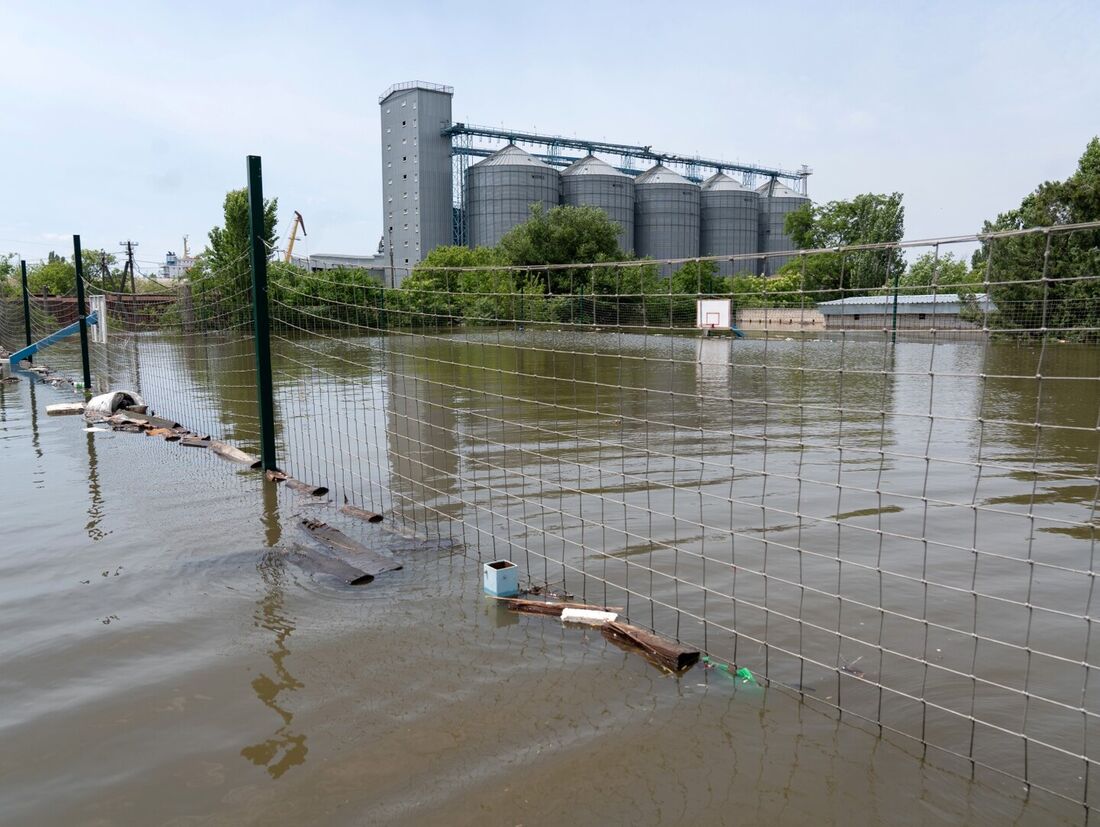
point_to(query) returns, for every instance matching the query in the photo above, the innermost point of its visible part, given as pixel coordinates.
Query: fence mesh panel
(880, 494)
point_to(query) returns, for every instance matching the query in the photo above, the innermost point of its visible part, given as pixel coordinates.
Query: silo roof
(511, 156)
(779, 190)
(591, 165)
(660, 174)
(722, 182)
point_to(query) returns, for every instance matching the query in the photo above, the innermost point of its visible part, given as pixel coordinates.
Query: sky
(131, 120)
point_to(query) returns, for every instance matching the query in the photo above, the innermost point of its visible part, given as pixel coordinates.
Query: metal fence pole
(260, 322)
(26, 306)
(82, 311)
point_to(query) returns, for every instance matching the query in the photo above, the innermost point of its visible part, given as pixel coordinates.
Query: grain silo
(666, 216)
(500, 191)
(594, 183)
(730, 224)
(776, 202)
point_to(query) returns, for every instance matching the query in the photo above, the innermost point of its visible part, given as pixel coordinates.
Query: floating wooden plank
(665, 653)
(233, 454)
(275, 475)
(359, 513)
(193, 441)
(65, 408)
(312, 561)
(369, 560)
(545, 607)
(306, 488)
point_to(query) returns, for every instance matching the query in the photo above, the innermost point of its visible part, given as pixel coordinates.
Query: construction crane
(298, 222)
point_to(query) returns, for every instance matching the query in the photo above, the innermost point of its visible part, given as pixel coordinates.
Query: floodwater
(162, 661)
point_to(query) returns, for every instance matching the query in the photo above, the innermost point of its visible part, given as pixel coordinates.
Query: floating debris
(234, 454)
(675, 657)
(590, 617)
(106, 405)
(359, 513)
(313, 561)
(370, 560)
(306, 488)
(65, 408)
(543, 607)
(742, 675)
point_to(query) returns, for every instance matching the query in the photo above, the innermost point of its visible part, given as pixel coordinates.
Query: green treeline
(1036, 281)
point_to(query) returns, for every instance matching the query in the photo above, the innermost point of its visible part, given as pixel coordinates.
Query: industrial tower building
(667, 206)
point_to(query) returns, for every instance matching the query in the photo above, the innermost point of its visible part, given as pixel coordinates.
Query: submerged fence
(883, 496)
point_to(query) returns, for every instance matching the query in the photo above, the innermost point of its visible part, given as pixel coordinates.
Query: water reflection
(95, 493)
(423, 441)
(285, 748)
(36, 439)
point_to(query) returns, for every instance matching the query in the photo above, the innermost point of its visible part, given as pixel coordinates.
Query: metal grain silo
(500, 191)
(594, 183)
(776, 202)
(729, 214)
(666, 216)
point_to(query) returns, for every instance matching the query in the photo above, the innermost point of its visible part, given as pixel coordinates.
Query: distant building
(376, 265)
(175, 266)
(943, 311)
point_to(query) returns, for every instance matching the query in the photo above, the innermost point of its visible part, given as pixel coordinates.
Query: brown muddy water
(162, 663)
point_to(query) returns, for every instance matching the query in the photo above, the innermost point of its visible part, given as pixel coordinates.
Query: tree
(1068, 301)
(869, 218)
(946, 273)
(563, 235)
(56, 275)
(10, 285)
(437, 294)
(220, 275)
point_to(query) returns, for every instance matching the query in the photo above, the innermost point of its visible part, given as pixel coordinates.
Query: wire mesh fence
(880, 494)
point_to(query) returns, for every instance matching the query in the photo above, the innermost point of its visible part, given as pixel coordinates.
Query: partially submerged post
(82, 312)
(26, 307)
(261, 326)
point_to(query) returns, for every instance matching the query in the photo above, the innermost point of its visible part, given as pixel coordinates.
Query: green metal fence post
(82, 311)
(894, 331)
(26, 306)
(260, 323)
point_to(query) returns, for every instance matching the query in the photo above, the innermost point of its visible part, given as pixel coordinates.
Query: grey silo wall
(666, 221)
(612, 194)
(730, 226)
(416, 175)
(499, 198)
(773, 215)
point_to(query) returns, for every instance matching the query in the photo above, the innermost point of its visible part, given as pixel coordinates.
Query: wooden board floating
(668, 654)
(312, 561)
(369, 560)
(65, 408)
(306, 488)
(543, 607)
(233, 454)
(360, 513)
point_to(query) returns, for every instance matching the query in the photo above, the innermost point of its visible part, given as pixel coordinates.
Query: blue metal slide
(57, 336)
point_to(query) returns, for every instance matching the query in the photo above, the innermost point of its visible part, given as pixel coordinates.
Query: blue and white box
(500, 578)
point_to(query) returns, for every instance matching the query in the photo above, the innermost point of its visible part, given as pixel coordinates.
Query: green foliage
(220, 276)
(1068, 299)
(869, 218)
(342, 296)
(562, 235)
(56, 275)
(10, 279)
(783, 290)
(946, 273)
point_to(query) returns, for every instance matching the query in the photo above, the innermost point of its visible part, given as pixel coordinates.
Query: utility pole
(129, 266)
